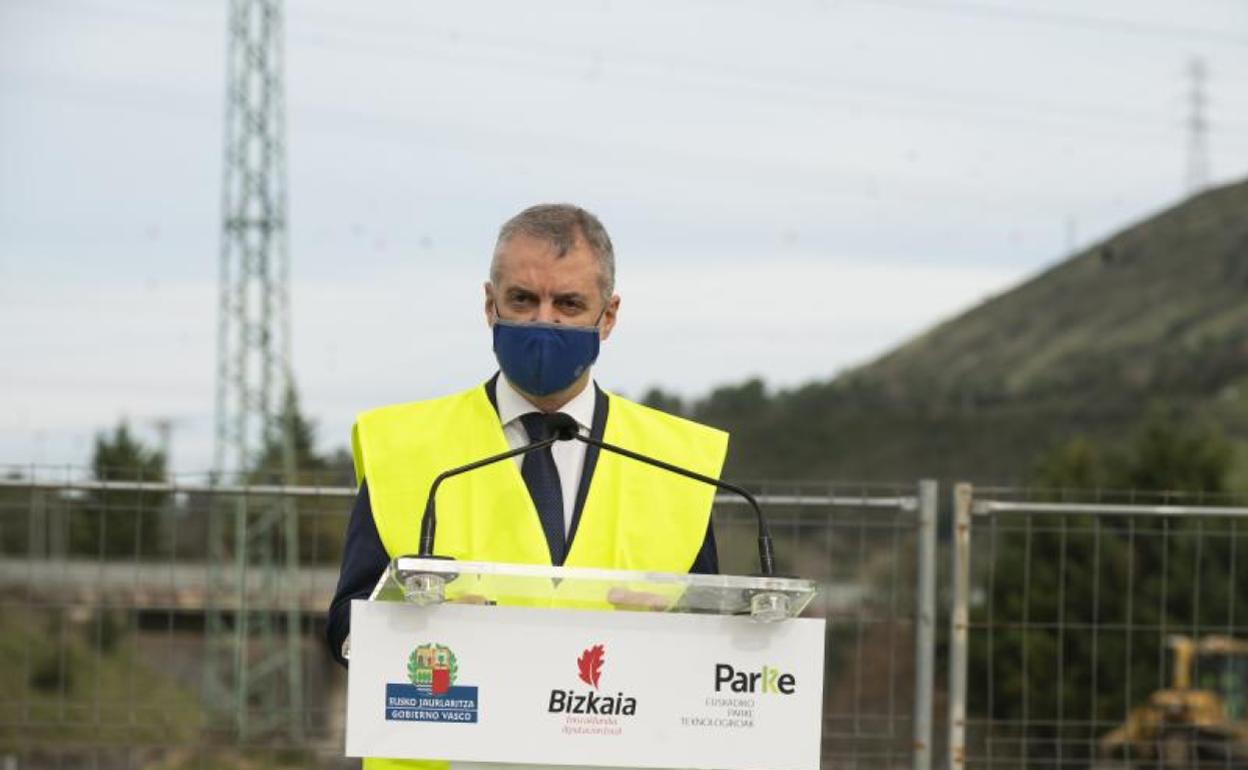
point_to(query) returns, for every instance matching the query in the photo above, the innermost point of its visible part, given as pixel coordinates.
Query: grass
(71, 677)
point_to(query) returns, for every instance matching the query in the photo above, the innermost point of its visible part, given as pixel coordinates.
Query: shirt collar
(512, 405)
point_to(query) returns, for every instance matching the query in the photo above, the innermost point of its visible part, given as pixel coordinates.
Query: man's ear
(608, 317)
(491, 309)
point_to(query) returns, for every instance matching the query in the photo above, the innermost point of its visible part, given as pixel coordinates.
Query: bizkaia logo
(767, 681)
(589, 668)
(589, 665)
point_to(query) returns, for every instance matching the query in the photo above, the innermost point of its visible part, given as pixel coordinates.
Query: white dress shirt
(569, 455)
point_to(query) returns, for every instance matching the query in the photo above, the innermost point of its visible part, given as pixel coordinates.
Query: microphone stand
(430, 587)
(429, 521)
(766, 606)
(766, 552)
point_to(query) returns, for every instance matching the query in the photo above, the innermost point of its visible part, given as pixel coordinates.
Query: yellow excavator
(1200, 720)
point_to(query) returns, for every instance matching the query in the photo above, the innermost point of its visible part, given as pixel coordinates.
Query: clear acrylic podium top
(433, 581)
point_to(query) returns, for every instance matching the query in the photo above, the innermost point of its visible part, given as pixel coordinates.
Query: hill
(1156, 313)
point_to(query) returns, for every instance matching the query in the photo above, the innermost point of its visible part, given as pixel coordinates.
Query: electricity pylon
(253, 665)
(1197, 128)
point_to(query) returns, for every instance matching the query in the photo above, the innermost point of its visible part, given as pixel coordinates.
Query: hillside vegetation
(1155, 314)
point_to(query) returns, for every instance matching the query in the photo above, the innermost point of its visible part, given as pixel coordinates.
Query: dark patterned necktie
(542, 478)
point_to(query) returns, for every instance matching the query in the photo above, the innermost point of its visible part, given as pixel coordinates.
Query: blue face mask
(544, 358)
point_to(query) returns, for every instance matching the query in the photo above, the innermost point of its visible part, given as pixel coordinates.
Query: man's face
(536, 285)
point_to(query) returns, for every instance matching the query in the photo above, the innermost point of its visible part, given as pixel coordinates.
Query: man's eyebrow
(570, 295)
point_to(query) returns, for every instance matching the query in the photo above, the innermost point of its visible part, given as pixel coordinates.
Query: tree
(1171, 454)
(321, 520)
(121, 523)
(270, 468)
(1166, 454)
(662, 400)
(1080, 464)
(731, 402)
(1080, 607)
(15, 517)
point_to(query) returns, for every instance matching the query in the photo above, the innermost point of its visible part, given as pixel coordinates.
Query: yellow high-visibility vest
(635, 517)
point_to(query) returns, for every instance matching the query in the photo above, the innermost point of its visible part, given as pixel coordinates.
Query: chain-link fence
(168, 624)
(180, 624)
(872, 549)
(1107, 631)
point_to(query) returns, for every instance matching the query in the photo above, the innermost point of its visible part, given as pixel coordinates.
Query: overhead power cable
(1020, 14)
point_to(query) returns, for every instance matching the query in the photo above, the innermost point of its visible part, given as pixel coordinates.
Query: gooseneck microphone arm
(564, 428)
(429, 521)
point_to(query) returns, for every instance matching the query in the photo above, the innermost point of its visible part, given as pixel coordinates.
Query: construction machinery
(1201, 719)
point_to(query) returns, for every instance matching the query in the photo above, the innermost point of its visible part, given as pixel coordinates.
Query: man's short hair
(560, 225)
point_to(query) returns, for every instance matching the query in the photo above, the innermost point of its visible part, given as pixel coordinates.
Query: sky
(792, 188)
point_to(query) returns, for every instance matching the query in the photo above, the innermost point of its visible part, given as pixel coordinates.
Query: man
(550, 301)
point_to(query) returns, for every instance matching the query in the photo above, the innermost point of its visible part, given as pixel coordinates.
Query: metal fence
(873, 551)
(1109, 631)
(166, 624)
(180, 624)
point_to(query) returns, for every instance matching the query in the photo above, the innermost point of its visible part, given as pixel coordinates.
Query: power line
(773, 84)
(780, 84)
(1073, 21)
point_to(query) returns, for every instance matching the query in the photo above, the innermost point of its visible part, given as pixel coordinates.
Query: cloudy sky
(792, 187)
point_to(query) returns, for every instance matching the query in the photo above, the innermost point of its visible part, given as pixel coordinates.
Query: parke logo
(589, 670)
(767, 681)
(430, 693)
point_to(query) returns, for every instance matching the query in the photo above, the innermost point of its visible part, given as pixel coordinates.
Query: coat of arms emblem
(432, 667)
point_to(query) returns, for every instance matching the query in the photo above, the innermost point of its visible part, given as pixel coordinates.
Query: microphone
(564, 428)
(429, 521)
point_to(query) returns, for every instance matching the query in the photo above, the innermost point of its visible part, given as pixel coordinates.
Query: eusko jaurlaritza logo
(431, 694)
(589, 668)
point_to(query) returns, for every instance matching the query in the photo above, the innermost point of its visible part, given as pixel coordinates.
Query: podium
(523, 665)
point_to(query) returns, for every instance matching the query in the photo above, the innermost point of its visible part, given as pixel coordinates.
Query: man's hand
(637, 601)
(470, 599)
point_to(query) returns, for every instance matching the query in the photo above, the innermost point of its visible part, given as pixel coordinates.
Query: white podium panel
(547, 686)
